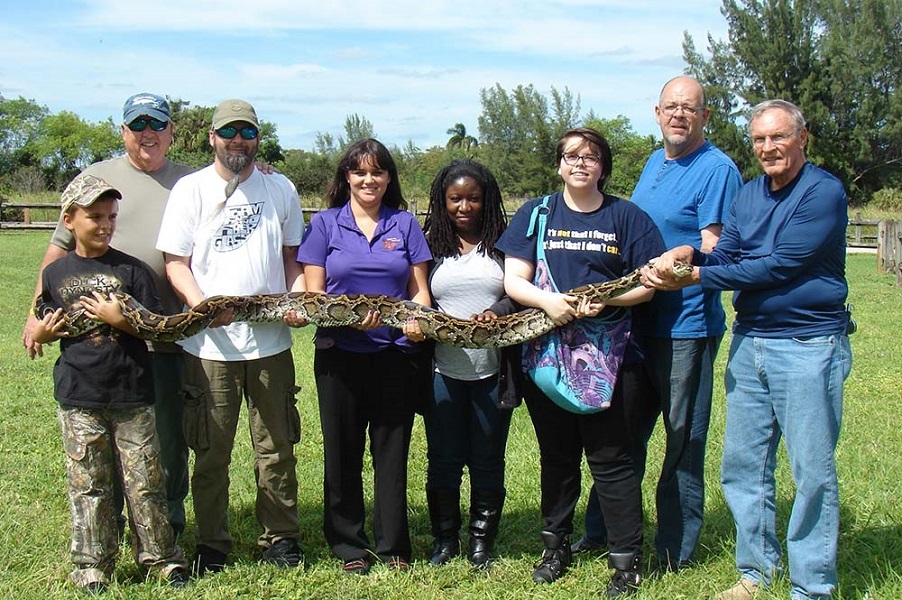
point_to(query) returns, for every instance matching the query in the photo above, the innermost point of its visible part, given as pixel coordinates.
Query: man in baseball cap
(143, 176)
(144, 104)
(245, 243)
(231, 111)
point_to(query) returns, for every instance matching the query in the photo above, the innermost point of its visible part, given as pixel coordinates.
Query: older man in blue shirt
(783, 251)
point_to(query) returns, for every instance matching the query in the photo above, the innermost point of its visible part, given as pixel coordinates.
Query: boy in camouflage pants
(104, 386)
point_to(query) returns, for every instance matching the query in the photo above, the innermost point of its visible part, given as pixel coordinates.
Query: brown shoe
(744, 589)
(398, 564)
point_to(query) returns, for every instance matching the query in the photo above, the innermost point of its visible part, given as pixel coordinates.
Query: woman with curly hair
(468, 417)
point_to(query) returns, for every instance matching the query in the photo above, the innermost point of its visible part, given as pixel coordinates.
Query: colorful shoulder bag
(575, 365)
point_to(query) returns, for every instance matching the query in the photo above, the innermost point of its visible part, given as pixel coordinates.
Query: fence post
(889, 248)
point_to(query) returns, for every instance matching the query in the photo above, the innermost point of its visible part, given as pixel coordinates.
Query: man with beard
(228, 230)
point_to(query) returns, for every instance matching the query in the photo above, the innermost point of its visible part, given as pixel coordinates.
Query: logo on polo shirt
(390, 243)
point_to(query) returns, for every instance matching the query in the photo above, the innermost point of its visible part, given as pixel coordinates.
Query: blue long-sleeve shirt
(784, 253)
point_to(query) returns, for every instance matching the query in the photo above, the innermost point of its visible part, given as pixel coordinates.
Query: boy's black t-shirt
(105, 367)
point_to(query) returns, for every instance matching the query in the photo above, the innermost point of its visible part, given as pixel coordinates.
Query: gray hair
(794, 112)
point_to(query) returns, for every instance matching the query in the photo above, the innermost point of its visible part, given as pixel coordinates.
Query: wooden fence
(10, 217)
(9, 211)
(889, 249)
(861, 233)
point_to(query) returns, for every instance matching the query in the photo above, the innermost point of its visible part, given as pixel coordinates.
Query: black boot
(485, 514)
(555, 558)
(626, 577)
(444, 514)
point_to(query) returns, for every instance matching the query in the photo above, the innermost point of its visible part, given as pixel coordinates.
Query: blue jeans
(791, 388)
(464, 426)
(679, 385)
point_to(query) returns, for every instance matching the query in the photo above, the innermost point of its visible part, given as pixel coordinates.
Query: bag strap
(538, 221)
(539, 212)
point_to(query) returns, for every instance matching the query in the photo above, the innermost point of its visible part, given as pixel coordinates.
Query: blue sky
(414, 68)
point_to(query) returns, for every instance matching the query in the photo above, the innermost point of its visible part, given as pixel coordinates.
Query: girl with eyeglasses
(589, 237)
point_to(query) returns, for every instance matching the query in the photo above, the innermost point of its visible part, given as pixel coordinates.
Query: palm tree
(460, 139)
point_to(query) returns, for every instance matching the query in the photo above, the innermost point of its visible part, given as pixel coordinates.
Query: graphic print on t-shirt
(75, 286)
(240, 222)
(591, 240)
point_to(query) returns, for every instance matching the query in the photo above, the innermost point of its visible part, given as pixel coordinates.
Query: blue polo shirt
(785, 254)
(683, 196)
(355, 265)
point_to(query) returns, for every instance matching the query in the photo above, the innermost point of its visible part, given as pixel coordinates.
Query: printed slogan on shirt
(581, 241)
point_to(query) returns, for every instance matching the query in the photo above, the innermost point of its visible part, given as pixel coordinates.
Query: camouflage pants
(99, 444)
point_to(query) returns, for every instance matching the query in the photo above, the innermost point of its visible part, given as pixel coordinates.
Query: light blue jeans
(791, 388)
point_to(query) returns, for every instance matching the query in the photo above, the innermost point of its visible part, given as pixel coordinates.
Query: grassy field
(34, 515)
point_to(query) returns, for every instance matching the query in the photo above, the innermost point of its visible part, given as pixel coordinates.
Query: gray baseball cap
(84, 190)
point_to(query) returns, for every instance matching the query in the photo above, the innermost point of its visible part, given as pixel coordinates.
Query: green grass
(34, 514)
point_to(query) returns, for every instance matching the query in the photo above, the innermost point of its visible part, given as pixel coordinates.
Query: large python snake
(328, 310)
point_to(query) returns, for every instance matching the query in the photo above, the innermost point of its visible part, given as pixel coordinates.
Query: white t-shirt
(463, 286)
(236, 250)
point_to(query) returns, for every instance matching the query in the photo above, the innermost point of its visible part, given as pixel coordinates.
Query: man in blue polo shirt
(686, 187)
(783, 251)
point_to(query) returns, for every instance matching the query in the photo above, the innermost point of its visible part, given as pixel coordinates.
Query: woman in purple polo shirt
(368, 376)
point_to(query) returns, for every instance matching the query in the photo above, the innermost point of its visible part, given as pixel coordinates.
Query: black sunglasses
(230, 131)
(141, 123)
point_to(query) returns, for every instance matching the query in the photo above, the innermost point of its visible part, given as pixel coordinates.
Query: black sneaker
(623, 583)
(555, 558)
(208, 560)
(283, 553)
(178, 577)
(626, 578)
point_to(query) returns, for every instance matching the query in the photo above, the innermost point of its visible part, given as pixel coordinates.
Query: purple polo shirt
(357, 266)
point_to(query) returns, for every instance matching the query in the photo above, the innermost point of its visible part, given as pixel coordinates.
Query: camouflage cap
(84, 190)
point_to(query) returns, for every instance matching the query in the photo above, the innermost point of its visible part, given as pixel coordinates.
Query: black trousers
(373, 392)
(606, 438)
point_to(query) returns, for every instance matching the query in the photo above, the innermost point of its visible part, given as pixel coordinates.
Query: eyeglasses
(777, 139)
(590, 160)
(141, 123)
(230, 131)
(671, 109)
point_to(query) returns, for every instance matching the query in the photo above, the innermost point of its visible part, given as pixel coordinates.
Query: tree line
(839, 60)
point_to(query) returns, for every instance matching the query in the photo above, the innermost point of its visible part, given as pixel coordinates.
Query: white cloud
(413, 68)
